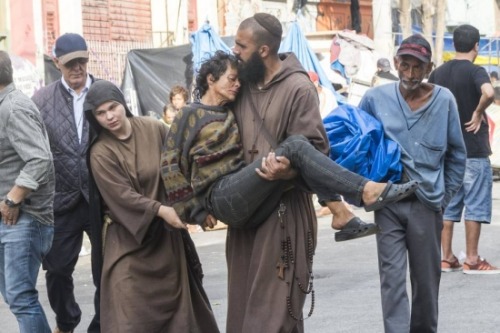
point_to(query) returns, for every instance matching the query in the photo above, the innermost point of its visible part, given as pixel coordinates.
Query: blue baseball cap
(70, 46)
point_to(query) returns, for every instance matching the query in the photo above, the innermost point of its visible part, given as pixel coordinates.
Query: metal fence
(108, 59)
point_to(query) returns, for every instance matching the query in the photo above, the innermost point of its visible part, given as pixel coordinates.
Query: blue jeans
(22, 248)
(475, 195)
(244, 199)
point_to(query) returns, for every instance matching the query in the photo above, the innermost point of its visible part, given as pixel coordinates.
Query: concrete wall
(175, 22)
(38, 34)
(159, 23)
(479, 13)
(207, 11)
(22, 35)
(4, 25)
(125, 20)
(70, 16)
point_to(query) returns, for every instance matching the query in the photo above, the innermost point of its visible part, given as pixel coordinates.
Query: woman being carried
(206, 178)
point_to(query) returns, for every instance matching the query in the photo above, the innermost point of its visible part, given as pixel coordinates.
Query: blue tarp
(296, 42)
(204, 43)
(357, 143)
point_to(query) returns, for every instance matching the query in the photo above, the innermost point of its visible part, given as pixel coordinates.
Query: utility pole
(428, 11)
(440, 27)
(382, 27)
(405, 17)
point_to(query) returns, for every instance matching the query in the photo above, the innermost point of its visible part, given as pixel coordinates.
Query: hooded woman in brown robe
(151, 275)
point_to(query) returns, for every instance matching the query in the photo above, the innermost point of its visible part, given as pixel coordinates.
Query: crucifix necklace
(253, 151)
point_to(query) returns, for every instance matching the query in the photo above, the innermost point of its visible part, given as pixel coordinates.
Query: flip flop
(392, 193)
(356, 228)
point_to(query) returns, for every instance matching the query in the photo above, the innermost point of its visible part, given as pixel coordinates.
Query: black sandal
(356, 228)
(392, 193)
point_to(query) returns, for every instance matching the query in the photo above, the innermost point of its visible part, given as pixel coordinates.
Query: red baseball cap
(416, 46)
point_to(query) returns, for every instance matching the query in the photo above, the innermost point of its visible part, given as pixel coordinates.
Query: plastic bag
(357, 143)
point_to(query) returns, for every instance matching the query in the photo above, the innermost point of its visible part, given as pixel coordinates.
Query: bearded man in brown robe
(270, 267)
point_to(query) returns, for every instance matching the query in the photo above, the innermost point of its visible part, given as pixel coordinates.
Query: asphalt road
(346, 284)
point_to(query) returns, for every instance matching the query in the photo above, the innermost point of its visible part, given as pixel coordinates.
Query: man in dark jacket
(383, 74)
(61, 106)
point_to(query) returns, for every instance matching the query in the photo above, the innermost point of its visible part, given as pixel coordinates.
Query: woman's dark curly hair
(215, 65)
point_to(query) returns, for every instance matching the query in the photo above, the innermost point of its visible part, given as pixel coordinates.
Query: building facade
(113, 27)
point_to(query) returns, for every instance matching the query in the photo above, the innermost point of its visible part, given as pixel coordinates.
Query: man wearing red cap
(423, 119)
(61, 106)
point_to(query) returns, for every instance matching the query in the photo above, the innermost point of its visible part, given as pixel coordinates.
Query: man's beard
(253, 71)
(410, 85)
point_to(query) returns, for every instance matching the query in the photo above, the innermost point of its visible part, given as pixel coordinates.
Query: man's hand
(210, 221)
(169, 215)
(475, 122)
(9, 214)
(276, 167)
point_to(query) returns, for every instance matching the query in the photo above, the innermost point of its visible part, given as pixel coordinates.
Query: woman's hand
(169, 215)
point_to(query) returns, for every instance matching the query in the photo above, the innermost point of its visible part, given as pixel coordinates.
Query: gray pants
(410, 234)
(244, 199)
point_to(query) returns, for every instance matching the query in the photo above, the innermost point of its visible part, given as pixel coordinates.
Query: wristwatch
(9, 202)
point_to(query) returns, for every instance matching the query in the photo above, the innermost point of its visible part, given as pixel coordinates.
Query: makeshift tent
(151, 73)
(296, 42)
(204, 43)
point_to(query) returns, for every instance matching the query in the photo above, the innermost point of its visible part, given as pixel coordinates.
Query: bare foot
(341, 214)
(323, 211)
(372, 191)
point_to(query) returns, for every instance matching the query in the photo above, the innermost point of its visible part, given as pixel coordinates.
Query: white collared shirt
(78, 100)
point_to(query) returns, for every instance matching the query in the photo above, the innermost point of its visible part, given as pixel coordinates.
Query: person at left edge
(61, 106)
(27, 192)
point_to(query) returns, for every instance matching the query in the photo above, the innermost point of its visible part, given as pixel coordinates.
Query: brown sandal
(450, 266)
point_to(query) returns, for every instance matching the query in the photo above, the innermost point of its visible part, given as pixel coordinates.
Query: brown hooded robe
(147, 284)
(259, 300)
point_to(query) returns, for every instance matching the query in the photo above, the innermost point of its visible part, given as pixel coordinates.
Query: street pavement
(346, 284)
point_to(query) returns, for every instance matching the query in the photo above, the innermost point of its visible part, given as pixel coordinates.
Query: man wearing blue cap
(423, 119)
(61, 106)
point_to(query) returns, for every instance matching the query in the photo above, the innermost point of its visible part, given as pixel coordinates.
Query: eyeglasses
(77, 61)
